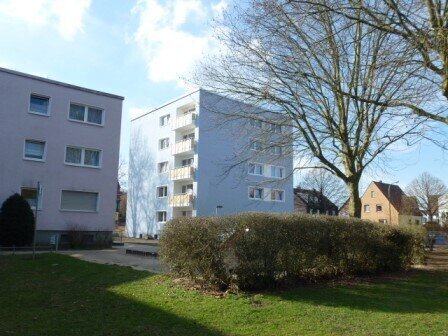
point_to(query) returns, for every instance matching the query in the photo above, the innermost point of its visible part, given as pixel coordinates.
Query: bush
(256, 251)
(16, 222)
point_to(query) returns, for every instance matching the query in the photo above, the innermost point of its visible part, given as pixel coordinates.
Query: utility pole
(388, 197)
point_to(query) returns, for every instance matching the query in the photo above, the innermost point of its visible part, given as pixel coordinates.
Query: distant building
(313, 202)
(387, 203)
(67, 138)
(189, 158)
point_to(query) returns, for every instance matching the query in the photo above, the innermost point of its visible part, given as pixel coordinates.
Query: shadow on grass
(59, 295)
(421, 292)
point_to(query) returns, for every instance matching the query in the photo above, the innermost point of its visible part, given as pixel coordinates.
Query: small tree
(16, 222)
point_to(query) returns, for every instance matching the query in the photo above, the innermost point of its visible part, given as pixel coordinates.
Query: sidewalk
(118, 256)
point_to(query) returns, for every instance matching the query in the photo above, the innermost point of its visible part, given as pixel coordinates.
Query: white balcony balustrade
(184, 122)
(181, 200)
(184, 147)
(183, 173)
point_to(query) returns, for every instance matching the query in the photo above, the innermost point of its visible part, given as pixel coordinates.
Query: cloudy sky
(138, 49)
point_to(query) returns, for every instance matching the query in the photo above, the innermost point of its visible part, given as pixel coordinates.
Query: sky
(142, 50)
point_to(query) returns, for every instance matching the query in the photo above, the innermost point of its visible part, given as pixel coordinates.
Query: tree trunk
(354, 209)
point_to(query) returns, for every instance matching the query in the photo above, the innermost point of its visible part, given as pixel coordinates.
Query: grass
(60, 295)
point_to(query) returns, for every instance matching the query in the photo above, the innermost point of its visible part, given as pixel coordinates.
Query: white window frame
(86, 112)
(44, 156)
(276, 190)
(255, 198)
(372, 194)
(277, 167)
(83, 151)
(366, 206)
(161, 124)
(376, 208)
(167, 167)
(253, 149)
(157, 216)
(256, 164)
(82, 191)
(157, 191)
(280, 150)
(188, 159)
(256, 123)
(40, 96)
(161, 141)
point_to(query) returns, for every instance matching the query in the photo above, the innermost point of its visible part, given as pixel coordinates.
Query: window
(164, 143)
(256, 123)
(79, 201)
(278, 172)
(188, 136)
(30, 195)
(163, 167)
(90, 115)
(255, 145)
(187, 189)
(34, 150)
(187, 162)
(161, 216)
(255, 193)
(277, 195)
(256, 169)
(82, 156)
(164, 120)
(384, 221)
(162, 191)
(276, 128)
(372, 194)
(366, 208)
(379, 208)
(276, 150)
(39, 104)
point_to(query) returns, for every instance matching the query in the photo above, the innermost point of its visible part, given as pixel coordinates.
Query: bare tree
(422, 25)
(123, 174)
(429, 192)
(326, 184)
(310, 67)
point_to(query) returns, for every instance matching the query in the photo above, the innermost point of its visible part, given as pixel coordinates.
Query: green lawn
(59, 295)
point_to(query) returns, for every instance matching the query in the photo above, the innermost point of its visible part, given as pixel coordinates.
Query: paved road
(118, 256)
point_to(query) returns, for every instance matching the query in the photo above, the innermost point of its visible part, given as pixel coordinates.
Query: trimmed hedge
(16, 222)
(257, 251)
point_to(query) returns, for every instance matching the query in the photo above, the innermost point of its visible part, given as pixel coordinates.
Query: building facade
(387, 203)
(66, 138)
(194, 157)
(313, 202)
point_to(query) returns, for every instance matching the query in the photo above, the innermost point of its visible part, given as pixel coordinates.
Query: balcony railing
(181, 200)
(183, 121)
(183, 146)
(182, 173)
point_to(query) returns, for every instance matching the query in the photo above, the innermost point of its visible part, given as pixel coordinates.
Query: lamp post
(388, 197)
(218, 207)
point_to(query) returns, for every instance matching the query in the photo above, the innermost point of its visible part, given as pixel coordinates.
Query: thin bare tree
(309, 67)
(326, 184)
(422, 25)
(430, 192)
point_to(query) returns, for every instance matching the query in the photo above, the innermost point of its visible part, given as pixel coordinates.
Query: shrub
(16, 222)
(256, 251)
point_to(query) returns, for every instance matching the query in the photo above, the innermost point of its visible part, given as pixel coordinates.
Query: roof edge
(55, 82)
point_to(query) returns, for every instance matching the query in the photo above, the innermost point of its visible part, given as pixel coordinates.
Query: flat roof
(51, 81)
(167, 103)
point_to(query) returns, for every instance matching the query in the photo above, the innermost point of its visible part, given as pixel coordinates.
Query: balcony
(181, 200)
(184, 122)
(184, 147)
(183, 173)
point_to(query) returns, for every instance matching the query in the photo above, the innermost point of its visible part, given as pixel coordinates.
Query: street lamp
(388, 197)
(218, 207)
